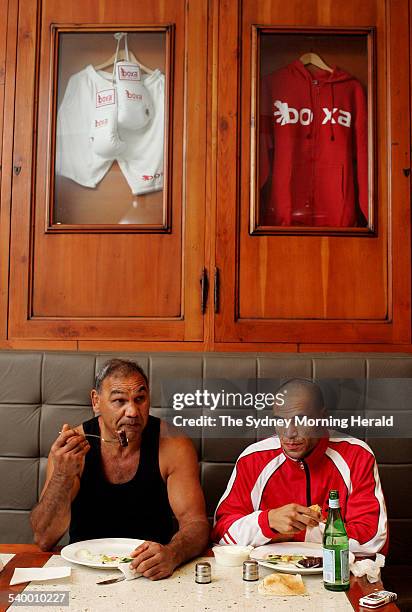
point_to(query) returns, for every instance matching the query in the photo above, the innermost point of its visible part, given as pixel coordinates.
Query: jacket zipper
(316, 86)
(308, 492)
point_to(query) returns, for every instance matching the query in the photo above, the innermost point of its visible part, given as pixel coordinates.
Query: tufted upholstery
(41, 391)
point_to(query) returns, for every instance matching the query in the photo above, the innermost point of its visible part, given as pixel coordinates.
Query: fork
(100, 438)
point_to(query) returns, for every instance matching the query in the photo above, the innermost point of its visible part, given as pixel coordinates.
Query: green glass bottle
(335, 548)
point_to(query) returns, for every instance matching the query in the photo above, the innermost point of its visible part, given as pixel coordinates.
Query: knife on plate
(112, 580)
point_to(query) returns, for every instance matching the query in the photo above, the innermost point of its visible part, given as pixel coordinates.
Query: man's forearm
(190, 541)
(51, 516)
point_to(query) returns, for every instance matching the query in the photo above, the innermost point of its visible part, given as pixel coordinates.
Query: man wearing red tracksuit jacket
(276, 480)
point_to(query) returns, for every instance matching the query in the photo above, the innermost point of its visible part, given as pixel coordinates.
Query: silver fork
(100, 438)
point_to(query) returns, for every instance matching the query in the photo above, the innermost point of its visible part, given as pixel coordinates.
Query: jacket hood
(324, 78)
(337, 76)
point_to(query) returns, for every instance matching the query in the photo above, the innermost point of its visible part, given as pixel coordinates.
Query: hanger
(316, 60)
(122, 54)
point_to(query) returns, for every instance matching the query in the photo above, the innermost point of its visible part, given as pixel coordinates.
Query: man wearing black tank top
(98, 488)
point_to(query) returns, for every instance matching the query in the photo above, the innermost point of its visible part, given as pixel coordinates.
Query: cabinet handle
(407, 171)
(217, 290)
(17, 170)
(204, 290)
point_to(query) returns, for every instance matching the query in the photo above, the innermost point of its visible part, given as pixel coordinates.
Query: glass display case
(312, 138)
(109, 143)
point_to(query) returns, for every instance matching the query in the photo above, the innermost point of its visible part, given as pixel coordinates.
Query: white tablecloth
(180, 593)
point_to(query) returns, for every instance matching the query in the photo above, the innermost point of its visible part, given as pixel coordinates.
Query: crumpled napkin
(368, 567)
(315, 534)
(128, 573)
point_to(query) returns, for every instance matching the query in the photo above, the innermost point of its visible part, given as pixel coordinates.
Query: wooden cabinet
(86, 282)
(318, 288)
(97, 282)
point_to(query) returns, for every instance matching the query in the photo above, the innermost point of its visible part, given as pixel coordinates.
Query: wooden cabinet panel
(313, 288)
(116, 283)
(294, 289)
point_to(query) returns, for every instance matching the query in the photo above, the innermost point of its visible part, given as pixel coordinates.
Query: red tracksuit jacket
(313, 148)
(265, 478)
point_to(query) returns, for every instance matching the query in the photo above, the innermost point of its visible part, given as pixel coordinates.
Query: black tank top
(138, 508)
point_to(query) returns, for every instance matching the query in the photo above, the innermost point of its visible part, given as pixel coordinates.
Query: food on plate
(284, 558)
(123, 438)
(297, 560)
(282, 584)
(310, 562)
(85, 554)
(105, 559)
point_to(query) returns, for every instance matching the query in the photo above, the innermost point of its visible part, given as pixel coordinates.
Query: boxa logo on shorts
(104, 98)
(133, 96)
(287, 114)
(133, 74)
(151, 177)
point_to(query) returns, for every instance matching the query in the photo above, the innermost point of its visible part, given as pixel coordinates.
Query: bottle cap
(203, 572)
(334, 499)
(250, 570)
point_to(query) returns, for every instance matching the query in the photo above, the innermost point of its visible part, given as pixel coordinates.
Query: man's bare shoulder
(175, 447)
(172, 437)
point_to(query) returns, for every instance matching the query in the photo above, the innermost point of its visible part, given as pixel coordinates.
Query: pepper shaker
(250, 570)
(203, 573)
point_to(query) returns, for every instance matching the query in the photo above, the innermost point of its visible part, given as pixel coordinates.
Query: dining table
(226, 592)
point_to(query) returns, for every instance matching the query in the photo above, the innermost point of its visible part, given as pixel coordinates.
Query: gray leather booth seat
(40, 391)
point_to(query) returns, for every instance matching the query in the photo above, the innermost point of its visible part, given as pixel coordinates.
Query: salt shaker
(203, 573)
(250, 570)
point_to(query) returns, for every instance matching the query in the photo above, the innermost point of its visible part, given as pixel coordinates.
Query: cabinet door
(322, 280)
(95, 254)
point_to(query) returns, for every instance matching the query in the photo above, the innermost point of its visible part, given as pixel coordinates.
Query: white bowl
(231, 556)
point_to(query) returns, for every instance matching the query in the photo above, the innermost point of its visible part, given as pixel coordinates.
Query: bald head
(304, 390)
(302, 398)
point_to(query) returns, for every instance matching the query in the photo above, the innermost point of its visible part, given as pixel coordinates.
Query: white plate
(121, 547)
(308, 549)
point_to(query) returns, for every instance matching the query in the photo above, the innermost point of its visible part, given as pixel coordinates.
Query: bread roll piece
(282, 584)
(318, 509)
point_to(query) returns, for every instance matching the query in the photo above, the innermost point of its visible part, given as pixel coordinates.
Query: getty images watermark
(213, 401)
(207, 407)
(227, 399)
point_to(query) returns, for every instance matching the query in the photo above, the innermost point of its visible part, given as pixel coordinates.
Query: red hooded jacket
(313, 148)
